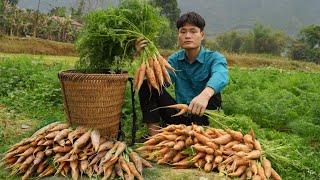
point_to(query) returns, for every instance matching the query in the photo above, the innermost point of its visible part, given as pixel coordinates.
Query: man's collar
(200, 57)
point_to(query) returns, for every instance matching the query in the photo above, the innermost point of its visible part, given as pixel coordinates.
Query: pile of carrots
(57, 149)
(154, 68)
(227, 151)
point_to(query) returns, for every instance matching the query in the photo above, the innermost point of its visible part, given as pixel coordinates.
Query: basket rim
(73, 72)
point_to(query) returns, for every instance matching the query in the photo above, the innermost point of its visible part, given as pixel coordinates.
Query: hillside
(221, 16)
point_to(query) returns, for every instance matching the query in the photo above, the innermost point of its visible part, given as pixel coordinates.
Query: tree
(169, 9)
(307, 45)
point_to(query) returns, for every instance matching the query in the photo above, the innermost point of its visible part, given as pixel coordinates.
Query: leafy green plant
(107, 39)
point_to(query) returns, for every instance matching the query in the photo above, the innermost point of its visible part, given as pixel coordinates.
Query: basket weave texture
(94, 100)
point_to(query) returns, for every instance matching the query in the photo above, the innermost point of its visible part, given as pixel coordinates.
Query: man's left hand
(198, 104)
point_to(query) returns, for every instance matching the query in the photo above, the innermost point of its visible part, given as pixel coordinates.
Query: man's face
(190, 37)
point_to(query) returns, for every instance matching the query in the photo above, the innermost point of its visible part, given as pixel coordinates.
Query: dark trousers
(151, 101)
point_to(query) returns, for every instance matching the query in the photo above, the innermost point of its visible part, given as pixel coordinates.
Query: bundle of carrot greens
(58, 149)
(106, 43)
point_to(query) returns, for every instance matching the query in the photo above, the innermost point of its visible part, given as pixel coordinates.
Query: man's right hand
(140, 44)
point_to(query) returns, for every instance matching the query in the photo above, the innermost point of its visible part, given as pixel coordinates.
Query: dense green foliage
(108, 36)
(281, 106)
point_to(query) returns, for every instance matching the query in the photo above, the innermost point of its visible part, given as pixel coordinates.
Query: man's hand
(140, 44)
(199, 104)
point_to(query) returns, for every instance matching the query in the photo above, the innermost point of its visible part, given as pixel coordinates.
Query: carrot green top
(208, 70)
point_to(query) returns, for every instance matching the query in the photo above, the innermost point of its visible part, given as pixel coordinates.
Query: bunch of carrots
(154, 67)
(227, 151)
(57, 149)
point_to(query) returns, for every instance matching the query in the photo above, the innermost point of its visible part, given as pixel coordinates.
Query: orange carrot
(261, 172)
(81, 141)
(238, 172)
(241, 147)
(254, 167)
(136, 160)
(266, 164)
(275, 175)
(145, 163)
(62, 134)
(142, 73)
(248, 139)
(224, 139)
(179, 146)
(152, 78)
(236, 135)
(255, 154)
(136, 78)
(208, 167)
(134, 171)
(257, 145)
(105, 146)
(158, 72)
(95, 139)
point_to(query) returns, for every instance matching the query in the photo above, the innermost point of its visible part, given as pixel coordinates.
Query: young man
(200, 77)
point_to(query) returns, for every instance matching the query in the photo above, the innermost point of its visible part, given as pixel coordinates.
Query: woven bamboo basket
(94, 100)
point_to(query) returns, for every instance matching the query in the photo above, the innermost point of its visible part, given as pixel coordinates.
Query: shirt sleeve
(219, 74)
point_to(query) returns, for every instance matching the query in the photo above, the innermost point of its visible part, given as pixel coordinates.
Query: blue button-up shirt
(208, 70)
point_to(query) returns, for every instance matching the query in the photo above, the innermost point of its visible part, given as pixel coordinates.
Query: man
(200, 77)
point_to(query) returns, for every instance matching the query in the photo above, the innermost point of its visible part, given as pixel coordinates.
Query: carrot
(147, 148)
(107, 173)
(152, 78)
(47, 143)
(240, 154)
(256, 177)
(98, 157)
(241, 147)
(255, 154)
(44, 129)
(136, 160)
(224, 139)
(275, 175)
(41, 167)
(80, 130)
(28, 173)
(59, 127)
(230, 144)
(236, 135)
(257, 145)
(198, 156)
(218, 159)
(142, 73)
(182, 107)
(47, 172)
(189, 141)
(81, 141)
(208, 167)
(95, 139)
(52, 134)
(118, 170)
(121, 147)
(249, 173)
(165, 63)
(74, 169)
(261, 172)
(60, 149)
(65, 170)
(183, 162)
(105, 146)
(60, 167)
(179, 146)
(124, 165)
(177, 157)
(248, 139)
(145, 163)
(240, 162)
(38, 158)
(229, 159)
(266, 164)
(62, 134)
(158, 72)
(48, 152)
(84, 164)
(28, 152)
(203, 139)
(209, 158)
(238, 172)
(212, 145)
(136, 78)
(254, 167)
(200, 163)
(134, 171)
(108, 156)
(152, 141)
(166, 75)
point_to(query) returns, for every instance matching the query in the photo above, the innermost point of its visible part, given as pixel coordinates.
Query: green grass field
(280, 104)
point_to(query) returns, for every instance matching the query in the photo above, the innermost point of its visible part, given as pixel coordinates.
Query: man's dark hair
(191, 18)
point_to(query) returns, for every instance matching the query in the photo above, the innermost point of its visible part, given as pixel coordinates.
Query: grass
(11, 44)
(279, 104)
